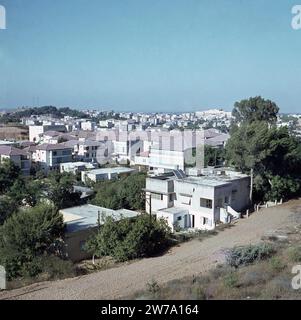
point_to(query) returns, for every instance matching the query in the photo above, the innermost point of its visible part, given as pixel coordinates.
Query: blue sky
(149, 55)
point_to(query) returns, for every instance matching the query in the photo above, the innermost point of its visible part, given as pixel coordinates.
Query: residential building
(76, 167)
(55, 137)
(161, 161)
(36, 131)
(7, 143)
(83, 221)
(198, 202)
(106, 174)
(50, 156)
(87, 150)
(18, 156)
(88, 125)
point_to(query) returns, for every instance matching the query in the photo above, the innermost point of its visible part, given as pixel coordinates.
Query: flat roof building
(106, 173)
(82, 221)
(198, 202)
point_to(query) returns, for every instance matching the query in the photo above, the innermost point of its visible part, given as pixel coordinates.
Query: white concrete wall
(166, 159)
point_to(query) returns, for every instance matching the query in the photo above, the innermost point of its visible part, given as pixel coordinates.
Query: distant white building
(213, 113)
(160, 161)
(106, 174)
(36, 131)
(199, 202)
(218, 141)
(76, 167)
(7, 143)
(87, 150)
(107, 123)
(55, 137)
(88, 125)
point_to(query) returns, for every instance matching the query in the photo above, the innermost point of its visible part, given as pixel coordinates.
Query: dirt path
(188, 259)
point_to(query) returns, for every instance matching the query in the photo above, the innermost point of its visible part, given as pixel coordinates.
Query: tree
(60, 189)
(7, 208)
(9, 172)
(28, 234)
(272, 154)
(214, 156)
(132, 188)
(125, 193)
(129, 239)
(255, 109)
(25, 191)
(17, 191)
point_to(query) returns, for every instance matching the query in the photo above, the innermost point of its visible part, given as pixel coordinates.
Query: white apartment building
(55, 137)
(36, 132)
(50, 156)
(76, 167)
(125, 150)
(198, 202)
(88, 125)
(161, 161)
(18, 156)
(107, 123)
(87, 150)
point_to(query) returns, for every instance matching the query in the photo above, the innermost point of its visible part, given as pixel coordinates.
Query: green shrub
(124, 193)
(231, 280)
(220, 270)
(51, 266)
(241, 256)
(28, 234)
(130, 238)
(198, 293)
(276, 264)
(294, 254)
(252, 278)
(153, 289)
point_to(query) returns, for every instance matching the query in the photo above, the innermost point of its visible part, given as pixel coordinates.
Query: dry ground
(14, 133)
(188, 259)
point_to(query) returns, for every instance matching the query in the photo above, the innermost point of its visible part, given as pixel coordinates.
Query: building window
(54, 153)
(233, 195)
(82, 246)
(157, 196)
(206, 221)
(179, 218)
(186, 200)
(206, 203)
(170, 197)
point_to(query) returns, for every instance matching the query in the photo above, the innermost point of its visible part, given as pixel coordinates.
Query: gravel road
(188, 259)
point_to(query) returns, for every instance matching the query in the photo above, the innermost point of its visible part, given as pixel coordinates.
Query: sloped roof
(48, 146)
(11, 151)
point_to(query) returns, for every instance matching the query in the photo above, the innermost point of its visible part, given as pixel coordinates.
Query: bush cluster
(130, 238)
(241, 256)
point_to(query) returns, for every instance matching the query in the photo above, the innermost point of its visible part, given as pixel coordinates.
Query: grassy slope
(267, 279)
